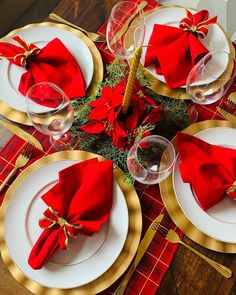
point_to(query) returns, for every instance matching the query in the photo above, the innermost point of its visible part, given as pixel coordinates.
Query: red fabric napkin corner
(79, 203)
(210, 169)
(53, 63)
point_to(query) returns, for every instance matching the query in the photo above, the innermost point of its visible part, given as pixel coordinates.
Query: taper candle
(131, 79)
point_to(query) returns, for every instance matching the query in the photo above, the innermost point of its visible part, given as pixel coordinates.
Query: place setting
(122, 169)
(209, 222)
(117, 241)
(16, 78)
(167, 61)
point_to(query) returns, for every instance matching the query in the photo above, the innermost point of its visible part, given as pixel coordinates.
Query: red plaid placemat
(152, 268)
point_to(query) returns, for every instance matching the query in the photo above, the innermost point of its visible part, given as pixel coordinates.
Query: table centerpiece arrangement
(101, 126)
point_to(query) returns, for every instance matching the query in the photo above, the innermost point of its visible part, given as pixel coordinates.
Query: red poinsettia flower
(107, 117)
(119, 135)
(93, 127)
(123, 128)
(131, 125)
(110, 99)
(98, 125)
(103, 111)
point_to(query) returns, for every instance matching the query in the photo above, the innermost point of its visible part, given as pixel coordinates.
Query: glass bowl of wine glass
(151, 159)
(126, 16)
(51, 113)
(211, 77)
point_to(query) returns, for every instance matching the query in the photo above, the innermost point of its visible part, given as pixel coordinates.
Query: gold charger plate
(174, 209)
(180, 93)
(21, 117)
(121, 263)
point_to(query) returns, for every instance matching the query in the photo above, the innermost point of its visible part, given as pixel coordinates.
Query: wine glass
(151, 159)
(125, 29)
(51, 113)
(211, 77)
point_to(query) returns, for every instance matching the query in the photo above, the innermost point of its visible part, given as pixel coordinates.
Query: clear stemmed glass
(121, 22)
(51, 113)
(151, 159)
(211, 77)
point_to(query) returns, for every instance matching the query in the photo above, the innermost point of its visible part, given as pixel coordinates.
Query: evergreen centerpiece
(103, 128)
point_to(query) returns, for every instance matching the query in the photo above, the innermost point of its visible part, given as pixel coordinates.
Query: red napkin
(210, 169)
(174, 51)
(78, 204)
(53, 63)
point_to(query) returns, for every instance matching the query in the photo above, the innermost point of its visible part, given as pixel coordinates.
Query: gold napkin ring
(54, 218)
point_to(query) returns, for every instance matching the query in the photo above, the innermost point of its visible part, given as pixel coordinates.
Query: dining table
(171, 270)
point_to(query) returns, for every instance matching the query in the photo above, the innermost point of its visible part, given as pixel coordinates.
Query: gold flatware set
(228, 111)
(228, 116)
(22, 134)
(93, 36)
(21, 161)
(172, 237)
(27, 151)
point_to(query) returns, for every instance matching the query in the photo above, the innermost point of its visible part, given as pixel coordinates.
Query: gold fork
(93, 36)
(225, 113)
(173, 237)
(228, 111)
(21, 161)
(232, 98)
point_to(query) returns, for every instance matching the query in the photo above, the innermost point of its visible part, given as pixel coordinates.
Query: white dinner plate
(40, 36)
(171, 16)
(87, 258)
(219, 222)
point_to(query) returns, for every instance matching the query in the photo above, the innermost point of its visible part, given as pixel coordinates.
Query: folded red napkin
(210, 169)
(174, 51)
(52, 63)
(79, 203)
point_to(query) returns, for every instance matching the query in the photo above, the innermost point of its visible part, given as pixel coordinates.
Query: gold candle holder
(131, 79)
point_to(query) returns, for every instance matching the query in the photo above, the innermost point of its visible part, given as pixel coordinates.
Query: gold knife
(150, 233)
(129, 20)
(22, 134)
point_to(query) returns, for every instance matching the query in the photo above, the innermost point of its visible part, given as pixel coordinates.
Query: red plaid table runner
(153, 266)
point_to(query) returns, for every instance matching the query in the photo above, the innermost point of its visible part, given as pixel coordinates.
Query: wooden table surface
(188, 274)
